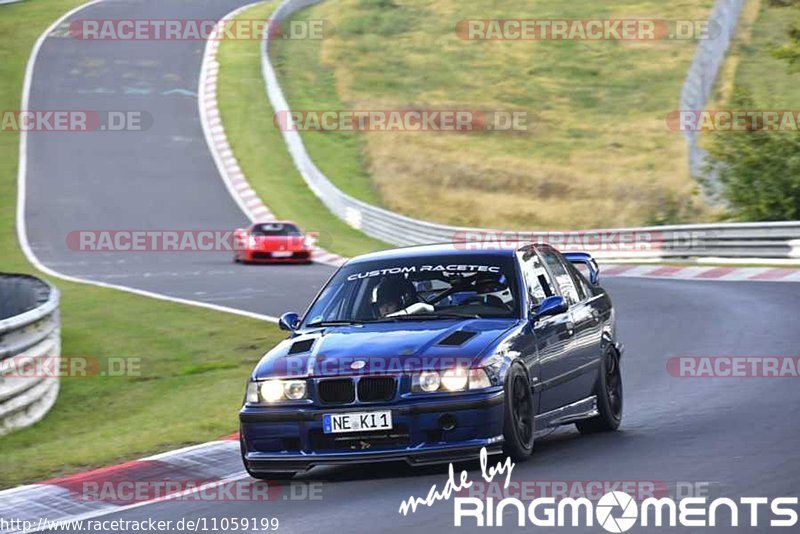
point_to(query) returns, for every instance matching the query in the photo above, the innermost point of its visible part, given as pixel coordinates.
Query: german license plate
(282, 254)
(334, 423)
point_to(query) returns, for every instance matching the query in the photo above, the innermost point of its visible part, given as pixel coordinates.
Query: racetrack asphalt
(160, 179)
(739, 435)
(725, 437)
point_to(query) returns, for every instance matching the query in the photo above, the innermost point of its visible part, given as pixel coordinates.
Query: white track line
(22, 235)
(227, 164)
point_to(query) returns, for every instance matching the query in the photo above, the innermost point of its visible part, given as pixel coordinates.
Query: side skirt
(582, 409)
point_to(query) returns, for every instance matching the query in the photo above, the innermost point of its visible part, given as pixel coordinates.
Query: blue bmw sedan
(429, 354)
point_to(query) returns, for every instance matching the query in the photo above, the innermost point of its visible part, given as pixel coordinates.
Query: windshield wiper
(429, 316)
(338, 322)
(411, 317)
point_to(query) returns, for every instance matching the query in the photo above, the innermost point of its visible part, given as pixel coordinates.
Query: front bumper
(291, 439)
(263, 256)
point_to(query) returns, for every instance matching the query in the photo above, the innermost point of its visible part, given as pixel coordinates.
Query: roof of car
(443, 249)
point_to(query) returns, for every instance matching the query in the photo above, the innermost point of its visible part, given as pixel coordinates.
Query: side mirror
(289, 321)
(551, 306)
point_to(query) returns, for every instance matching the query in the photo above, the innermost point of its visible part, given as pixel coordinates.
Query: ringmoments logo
(616, 500)
(618, 511)
(615, 511)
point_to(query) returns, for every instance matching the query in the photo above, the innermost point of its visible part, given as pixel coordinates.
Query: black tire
(518, 421)
(609, 397)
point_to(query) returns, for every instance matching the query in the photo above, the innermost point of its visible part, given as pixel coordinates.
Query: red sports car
(272, 242)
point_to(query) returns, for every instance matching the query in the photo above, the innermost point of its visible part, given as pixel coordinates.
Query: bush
(789, 51)
(759, 170)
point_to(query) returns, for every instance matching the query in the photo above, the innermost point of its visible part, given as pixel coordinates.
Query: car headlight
(457, 379)
(274, 390)
(429, 381)
(478, 379)
(251, 242)
(271, 390)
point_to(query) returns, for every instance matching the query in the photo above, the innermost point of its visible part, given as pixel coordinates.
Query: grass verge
(193, 362)
(768, 79)
(600, 155)
(261, 151)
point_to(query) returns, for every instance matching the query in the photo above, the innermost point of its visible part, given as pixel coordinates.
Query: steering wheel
(475, 299)
(487, 300)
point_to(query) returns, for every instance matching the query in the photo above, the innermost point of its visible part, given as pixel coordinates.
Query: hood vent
(301, 346)
(457, 338)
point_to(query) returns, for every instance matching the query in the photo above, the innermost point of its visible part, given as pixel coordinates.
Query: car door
(562, 373)
(550, 337)
(588, 331)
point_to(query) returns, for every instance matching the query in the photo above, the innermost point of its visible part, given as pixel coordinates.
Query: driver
(492, 290)
(391, 295)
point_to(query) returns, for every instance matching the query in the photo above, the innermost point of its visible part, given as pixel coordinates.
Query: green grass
(194, 362)
(768, 79)
(600, 153)
(312, 87)
(259, 147)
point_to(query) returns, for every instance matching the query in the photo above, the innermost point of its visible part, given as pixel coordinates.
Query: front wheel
(609, 397)
(518, 423)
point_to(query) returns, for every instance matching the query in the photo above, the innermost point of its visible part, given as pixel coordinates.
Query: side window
(562, 276)
(580, 281)
(536, 279)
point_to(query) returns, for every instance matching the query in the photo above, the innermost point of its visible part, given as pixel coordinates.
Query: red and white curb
(196, 470)
(692, 272)
(227, 164)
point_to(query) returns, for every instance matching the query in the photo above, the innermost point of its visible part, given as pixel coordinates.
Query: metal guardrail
(739, 240)
(30, 331)
(708, 58)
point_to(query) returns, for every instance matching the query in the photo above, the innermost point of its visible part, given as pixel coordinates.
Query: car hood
(383, 348)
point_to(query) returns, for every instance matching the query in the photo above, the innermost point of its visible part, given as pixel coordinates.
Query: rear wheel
(609, 397)
(518, 425)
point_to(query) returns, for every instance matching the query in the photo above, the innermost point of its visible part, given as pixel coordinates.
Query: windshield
(275, 229)
(419, 288)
